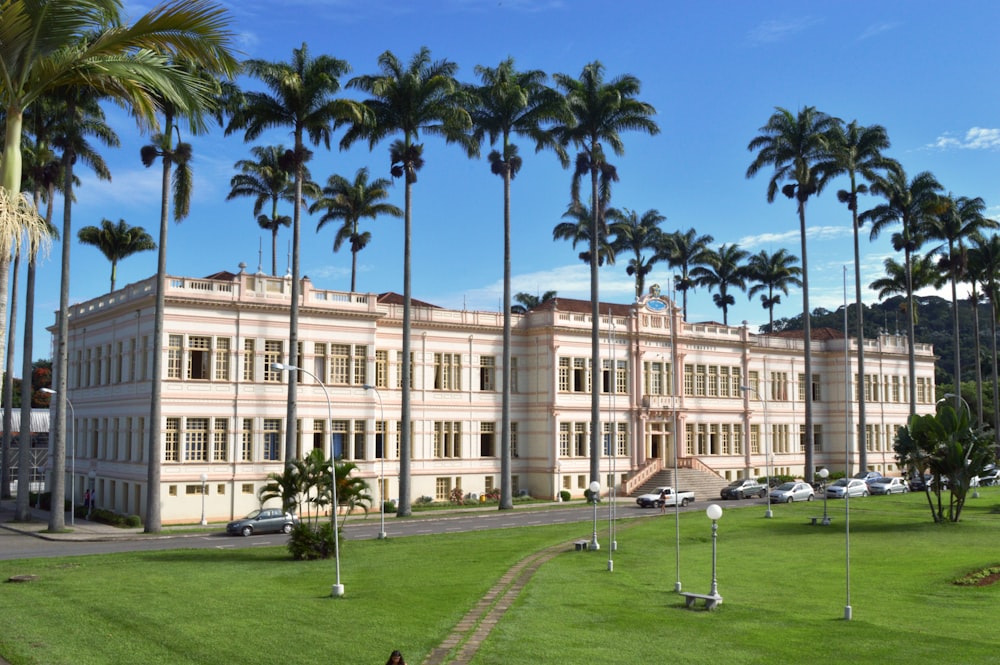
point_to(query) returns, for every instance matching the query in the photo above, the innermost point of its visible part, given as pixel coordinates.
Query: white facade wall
(223, 408)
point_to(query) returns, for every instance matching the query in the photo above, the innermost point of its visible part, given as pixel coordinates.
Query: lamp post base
(337, 590)
(382, 535)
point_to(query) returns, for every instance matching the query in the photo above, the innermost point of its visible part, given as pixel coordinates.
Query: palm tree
(527, 301)
(798, 147)
(958, 219)
(984, 264)
(299, 96)
(116, 241)
(421, 97)
(635, 234)
(62, 45)
(911, 204)
(922, 273)
(770, 273)
(858, 152)
(724, 270)
(685, 250)
(81, 118)
(600, 111)
(265, 180)
(512, 103)
(578, 230)
(349, 202)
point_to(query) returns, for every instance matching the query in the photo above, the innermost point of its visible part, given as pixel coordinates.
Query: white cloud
(769, 32)
(977, 138)
(790, 238)
(877, 29)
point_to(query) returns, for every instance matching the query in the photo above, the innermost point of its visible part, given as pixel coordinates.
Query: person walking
(663, 501)
(395, 658)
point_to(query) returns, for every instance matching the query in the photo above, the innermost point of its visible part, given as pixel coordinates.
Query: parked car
(847, 487)
(742, 489)
(886, 485)
(990, 476)
(264, 520)
(664, 496)
(867, 476)
(919, 483)
(792, 491)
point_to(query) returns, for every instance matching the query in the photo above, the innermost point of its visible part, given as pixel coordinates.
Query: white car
(847, 487)
(792, 491)
(885, 485)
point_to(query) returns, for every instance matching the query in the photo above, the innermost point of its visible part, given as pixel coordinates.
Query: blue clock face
(655, 305)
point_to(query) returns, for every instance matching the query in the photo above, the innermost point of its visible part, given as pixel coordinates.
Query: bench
(822, 521)
(711, 602)
(581, 545)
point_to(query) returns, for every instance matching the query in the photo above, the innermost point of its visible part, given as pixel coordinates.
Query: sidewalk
(83, 530)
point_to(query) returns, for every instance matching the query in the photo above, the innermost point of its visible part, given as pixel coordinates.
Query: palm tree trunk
(154, 450)
(860, 309)
(354, 267)
(996, 384)
(57, 518)
(114, 272)
(974, 297)
(8, 386)
(506, 490)
(807, 340)
(911, 331)
(274, 251)
(10, 180)
(958, 354)
(595, 342)
(291, 422)
(404, 507)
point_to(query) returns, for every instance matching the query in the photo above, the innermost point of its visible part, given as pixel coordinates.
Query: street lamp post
(714, 512)
(381, 479)
(823, 474)
(337, 590)
(204, 484)
(767, 449)
(595, 488)
(72, 468)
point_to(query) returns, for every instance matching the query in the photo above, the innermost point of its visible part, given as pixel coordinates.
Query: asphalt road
(16, 545)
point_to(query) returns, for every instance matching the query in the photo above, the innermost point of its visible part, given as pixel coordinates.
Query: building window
(359, 439)
(246, 441)
(442, 489)
(246, 488)
(447, 371)
(272, 354)
(621, 377)
(172, 490)
(340, 362)
(222, 360)
(360, 361)
(818, 438)
(196, 440)
(381, 369)
(380, 439)
(564, 437)
(319, 360)
(488, 484)
(712, 389)
(487, 373)
(817, 396)
(487, 440)
(753, 382)
(174, 351)
(249, 359)
(220, 440)
(171, 453)
(272, 439)
(199, 354)
(513, 440)
(513, 376)
(580, 436)
(447, 439)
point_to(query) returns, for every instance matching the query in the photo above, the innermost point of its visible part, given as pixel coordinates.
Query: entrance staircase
(706, 486)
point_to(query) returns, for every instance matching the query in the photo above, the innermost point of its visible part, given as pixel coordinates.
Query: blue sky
(713, 70)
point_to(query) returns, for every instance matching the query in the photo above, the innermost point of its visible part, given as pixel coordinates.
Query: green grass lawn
(783, 581)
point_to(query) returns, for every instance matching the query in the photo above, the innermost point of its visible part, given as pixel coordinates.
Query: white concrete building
(224, 407)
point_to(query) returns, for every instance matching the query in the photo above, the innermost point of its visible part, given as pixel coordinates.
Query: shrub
(133, 521)
(565, 495)
(308, 543)
(493, 494)
(425, 500)
(389, 506)
(456, 496)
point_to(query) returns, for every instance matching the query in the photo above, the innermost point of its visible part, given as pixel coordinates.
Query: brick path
(464, 641)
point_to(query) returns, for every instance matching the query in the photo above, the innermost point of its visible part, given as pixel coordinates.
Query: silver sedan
(792, 491)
